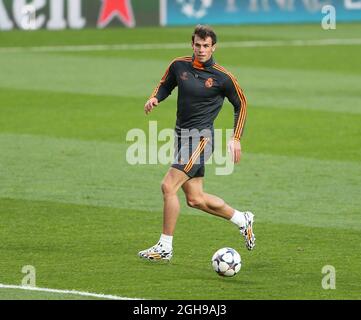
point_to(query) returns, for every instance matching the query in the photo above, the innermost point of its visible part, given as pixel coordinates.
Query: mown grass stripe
(111, 76)
(164, 46)
(97, 174)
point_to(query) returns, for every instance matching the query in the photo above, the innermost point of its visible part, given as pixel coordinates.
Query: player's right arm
(150, 104)
(163, 89)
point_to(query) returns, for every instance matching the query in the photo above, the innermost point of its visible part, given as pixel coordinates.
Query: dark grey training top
(202, 88)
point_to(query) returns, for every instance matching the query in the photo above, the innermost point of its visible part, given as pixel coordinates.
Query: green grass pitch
(72, 207)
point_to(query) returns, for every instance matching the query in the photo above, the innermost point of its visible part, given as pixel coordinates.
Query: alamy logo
(30, 278)
(155, 147)
(329, 19)
(329, 280)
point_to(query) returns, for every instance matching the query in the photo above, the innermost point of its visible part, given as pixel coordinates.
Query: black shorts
(192, 152)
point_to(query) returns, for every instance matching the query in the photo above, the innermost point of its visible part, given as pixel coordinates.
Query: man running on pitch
(202, 87)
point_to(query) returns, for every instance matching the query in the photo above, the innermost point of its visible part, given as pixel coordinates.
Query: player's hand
(150, 104)
(234, 148)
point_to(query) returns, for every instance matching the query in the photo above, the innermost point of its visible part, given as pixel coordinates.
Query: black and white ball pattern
(226, 262)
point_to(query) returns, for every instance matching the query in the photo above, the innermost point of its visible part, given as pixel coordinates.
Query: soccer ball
(226, 262)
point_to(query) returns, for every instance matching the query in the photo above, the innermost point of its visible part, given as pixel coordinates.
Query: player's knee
(195, 201)
(167, 188)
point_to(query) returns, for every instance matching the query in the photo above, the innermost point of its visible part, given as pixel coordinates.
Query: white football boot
(247, 231)
(156, 253)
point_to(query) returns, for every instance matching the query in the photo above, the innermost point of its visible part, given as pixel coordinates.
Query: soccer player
(202, 87)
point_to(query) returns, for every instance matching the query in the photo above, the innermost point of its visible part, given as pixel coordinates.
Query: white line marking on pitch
(162, 46)
(74, 292)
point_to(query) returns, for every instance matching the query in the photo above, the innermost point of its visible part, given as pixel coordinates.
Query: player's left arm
(235, 96)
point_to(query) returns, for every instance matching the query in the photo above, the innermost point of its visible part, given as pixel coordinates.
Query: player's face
(203, 48)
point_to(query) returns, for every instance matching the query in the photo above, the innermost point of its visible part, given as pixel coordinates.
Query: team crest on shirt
(209, 83)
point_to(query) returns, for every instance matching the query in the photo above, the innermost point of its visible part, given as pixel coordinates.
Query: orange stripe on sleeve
(242, 98)
(166, 74)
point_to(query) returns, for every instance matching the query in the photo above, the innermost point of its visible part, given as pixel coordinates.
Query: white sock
(239, 219)
(166, 241)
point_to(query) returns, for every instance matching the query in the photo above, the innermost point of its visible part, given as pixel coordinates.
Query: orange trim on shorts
(195, 154)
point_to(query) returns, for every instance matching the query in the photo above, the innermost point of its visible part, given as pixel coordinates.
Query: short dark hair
(204, 31)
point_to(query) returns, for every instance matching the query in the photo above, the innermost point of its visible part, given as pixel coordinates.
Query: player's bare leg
(171, 183)
(197, 198)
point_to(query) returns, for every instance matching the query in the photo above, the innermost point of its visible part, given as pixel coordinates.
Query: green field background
(71, 205)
